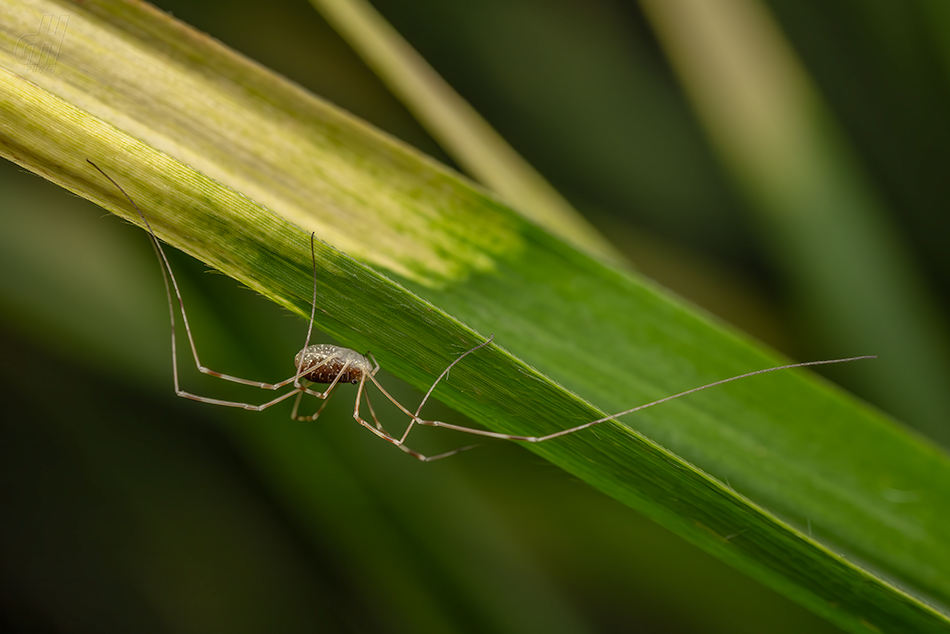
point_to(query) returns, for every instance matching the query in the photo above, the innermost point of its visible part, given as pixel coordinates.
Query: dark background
(127, 509)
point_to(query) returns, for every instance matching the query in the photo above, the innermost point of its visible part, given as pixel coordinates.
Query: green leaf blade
(730, 469)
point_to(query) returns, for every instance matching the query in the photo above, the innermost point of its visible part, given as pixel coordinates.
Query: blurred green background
(128, 509)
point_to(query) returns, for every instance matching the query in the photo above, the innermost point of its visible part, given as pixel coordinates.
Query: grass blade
(423, 265)
(458, 127)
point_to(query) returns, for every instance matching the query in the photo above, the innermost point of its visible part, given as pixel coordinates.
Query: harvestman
(329, 365)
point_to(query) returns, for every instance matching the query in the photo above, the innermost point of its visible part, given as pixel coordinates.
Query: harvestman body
(330, 365)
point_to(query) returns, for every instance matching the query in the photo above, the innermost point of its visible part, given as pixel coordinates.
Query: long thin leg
(313, 312)
(171, 283)
(376, 422)
(310, 417)
(414, 418)
(372, 411)
(445, 374)
(169, 275)
(382, 433)
(571, 430)
(325, 395)
(293, 412)
(301, 390)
